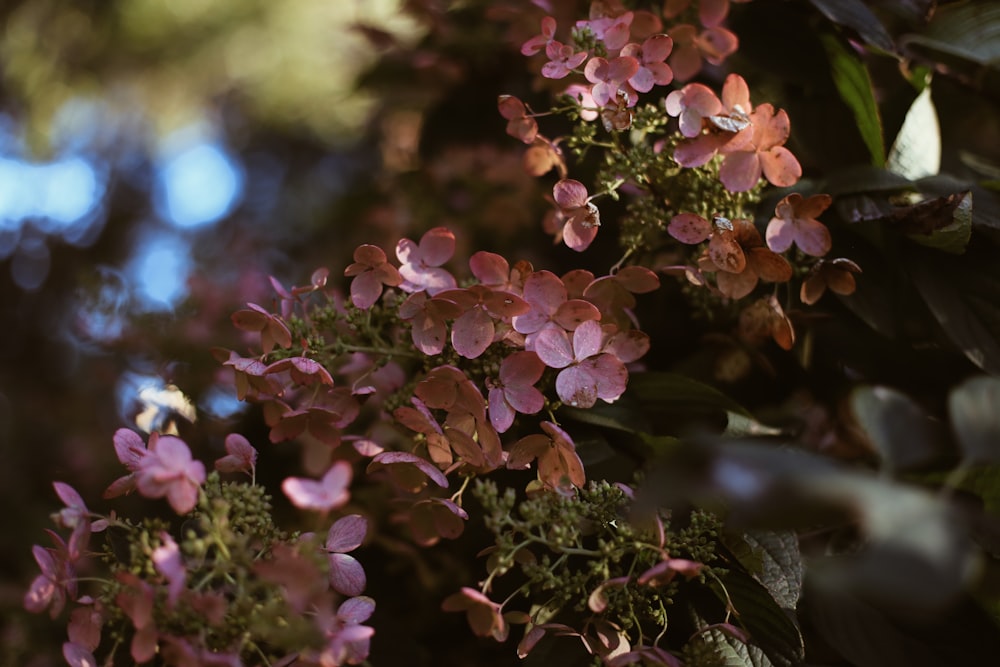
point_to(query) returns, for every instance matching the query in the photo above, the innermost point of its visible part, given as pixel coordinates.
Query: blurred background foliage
(159, 159)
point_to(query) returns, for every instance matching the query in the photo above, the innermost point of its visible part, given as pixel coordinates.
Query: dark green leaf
(855, 87)
(865, 178)
(781, 565)
(900, 430)
(855, 15)
(961, 293)
(678, 392)
(975, 416)
(770, 627)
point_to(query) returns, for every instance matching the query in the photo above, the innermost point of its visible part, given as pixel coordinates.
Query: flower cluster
(229, 590)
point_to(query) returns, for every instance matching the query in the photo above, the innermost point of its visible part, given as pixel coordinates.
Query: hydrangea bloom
(485, 616)
(650, 56)
(795, 222)
(168, 470)
(581, 217)
(587, 373)
(421, 262)
(764, 154)
(559, 466)
(513, 390)
(328, 493)
(371, 270)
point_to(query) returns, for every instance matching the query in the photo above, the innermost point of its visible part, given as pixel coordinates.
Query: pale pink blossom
(168, 470)
(323, 495)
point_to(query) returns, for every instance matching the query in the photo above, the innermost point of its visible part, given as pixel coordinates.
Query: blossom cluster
(663, 165)
(229, 590)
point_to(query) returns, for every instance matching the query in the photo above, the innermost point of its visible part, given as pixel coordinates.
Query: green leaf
(678, 392)
(855, 14)
(962, 294)
(769, 626)
(728, 651)
(900, 430)
(916, 152)
(854, 84)
(975, 415)
(781, 568)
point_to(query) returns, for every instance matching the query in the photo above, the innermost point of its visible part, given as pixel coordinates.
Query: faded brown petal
(726, 253)
(770, 266)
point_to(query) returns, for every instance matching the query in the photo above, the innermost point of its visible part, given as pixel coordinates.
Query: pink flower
(428, 320)
(130, 450)
(168, 562)
(581, 216)
(652, 70)
(408, 471)
(691, 104)
(85, 622)
(795, 222)
(348, 642)
(547, 296)
(421, 263)
(74, 516)
(608, 76)
(272, 330)
(710, 12)
(742, 167)
(612, 30)
(57, 580)
(587, 374)
(371, 270)
(665, 571)
(837, 274)
(78, 656)
(614, 295)
(539, 42)
(474, 330)
(563, 59)
(714, 45)
(347, 576)
(328, 493)
(559, 466)
(168, 470)
(136, 600)
(485, 616)
(513, 390)
(519, 124)
(433, 518)
(737, 252)
(240, 456)
(581, 94)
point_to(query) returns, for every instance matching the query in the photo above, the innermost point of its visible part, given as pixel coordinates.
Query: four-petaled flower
(168, 470)
(650, 55)
(795, 222)
(519, 124)
(586, 372)
(273, 331)
(328, 493)
(513, 390)
(737, 252)
(485, 616)
(371, 270)
(837, 274)
(609, 76)
(714, 44)
(764, 154)
(240, 456)
(563, 59)
(580, 216)
(559, 466)
(421, 262)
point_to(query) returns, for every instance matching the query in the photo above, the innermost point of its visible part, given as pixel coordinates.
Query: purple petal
(347, 576)
(553, 347)
(347, 533)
